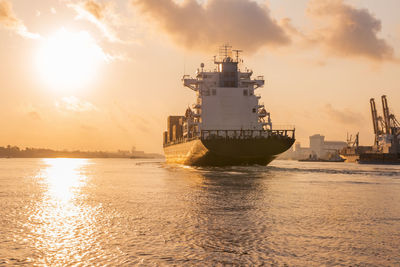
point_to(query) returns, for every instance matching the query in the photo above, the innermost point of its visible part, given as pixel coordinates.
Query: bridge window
(245, 92)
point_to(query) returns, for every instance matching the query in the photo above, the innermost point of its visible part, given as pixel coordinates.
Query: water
(134, 212)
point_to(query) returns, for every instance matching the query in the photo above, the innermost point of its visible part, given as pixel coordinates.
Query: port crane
(353, 142)
(386, 128)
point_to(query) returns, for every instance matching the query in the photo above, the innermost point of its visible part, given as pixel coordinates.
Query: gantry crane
(386, 128)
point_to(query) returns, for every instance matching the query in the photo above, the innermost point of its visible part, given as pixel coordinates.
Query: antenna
(225, 51)
(184, 64)
(237, 54)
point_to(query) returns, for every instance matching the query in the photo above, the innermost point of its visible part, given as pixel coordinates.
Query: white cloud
(75, 104)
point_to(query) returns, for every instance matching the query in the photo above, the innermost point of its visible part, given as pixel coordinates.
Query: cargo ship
(226, 125)
(386, 147)
(351, 153)
(314, 158)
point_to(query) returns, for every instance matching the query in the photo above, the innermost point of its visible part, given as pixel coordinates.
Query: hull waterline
(227, 152)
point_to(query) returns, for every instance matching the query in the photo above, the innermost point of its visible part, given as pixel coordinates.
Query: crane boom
(374, 115)
(386, 115)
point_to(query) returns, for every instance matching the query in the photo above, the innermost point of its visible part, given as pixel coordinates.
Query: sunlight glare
(61, 222)
(63, 177)
(69, 60)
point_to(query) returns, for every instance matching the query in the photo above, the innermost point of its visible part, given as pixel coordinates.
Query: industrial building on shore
(319, 149)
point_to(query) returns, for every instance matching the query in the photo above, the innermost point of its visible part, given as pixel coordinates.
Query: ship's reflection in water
(134, 212)
(225, 208)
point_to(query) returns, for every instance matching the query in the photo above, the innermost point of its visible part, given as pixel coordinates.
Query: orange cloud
(10, 21)
(243, 23)
(345, 116)
(34, 115)
(348, 31)
(96, 9)
(102, 15)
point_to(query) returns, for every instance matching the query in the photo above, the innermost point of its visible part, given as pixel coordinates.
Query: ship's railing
(284, 126)
(181, 140)
(246, 134)
(236, 134)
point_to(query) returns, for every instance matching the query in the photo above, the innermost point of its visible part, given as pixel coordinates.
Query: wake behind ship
(226, 125)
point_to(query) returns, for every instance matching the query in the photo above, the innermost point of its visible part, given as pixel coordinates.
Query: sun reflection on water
(62, 225)
(64, 177)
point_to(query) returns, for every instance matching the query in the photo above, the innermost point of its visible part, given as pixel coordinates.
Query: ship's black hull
(227, 152)
(379, 158)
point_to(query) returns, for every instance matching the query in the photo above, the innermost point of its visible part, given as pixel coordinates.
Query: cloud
(345, 116)
(242, 23)
(88, 128)
(10, 21)
(30, 111)
(349, 31)
(141, 123)
(96, 9)
(75, 104)
(286, 23)
(34, 115)
(102, 15)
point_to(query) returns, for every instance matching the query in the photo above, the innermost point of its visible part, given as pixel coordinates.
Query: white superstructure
(226, 98)
(226, 125)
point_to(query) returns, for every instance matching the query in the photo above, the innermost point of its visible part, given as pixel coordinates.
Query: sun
(69, 60)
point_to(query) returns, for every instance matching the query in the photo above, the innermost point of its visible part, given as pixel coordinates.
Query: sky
(105, 75)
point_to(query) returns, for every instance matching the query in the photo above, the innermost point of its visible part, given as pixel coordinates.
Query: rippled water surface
(126, 212)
